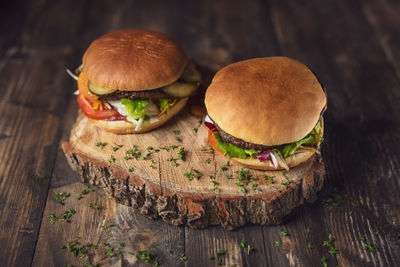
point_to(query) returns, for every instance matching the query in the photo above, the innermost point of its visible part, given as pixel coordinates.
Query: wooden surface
(351, 45)
(155, 185)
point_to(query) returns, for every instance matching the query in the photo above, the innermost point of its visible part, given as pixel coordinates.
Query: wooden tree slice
(161, 190)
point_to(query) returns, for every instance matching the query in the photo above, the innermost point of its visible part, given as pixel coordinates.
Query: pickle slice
(180, 89)
(190, 74)
(98, 90)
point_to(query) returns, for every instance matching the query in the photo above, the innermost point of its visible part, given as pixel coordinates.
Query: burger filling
(100, 103)
(238, 148)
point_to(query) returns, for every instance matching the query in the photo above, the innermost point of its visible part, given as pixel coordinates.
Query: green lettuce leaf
(165, 103)
(313, 138)
(135, 108)
(232, 150)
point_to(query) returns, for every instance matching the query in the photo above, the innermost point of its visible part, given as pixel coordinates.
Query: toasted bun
(267, 101)
(123, 127)
(292, 161)
(134, 60)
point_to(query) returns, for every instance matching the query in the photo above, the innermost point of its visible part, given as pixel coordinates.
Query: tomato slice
(96, 114)
(83, 87)
(213, 142)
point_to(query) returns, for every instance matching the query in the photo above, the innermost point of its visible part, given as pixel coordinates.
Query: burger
(266, 113)
(132, 81)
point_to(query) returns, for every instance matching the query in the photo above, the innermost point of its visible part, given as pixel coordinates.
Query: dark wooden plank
(362, 122)
(383, 16)
(32, 103)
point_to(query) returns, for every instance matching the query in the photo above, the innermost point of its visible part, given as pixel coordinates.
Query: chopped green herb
(309, 246)
(278, 243)
(224, 168)
(324, 263)
(130, 170)
(193, 174)
(254, 186)
(169, 251)
(176, 132)
(178, 139)
(94, 206)
(229, 176)
(350, 212)
(164, 148)
(79, 250)
(334, 198)
(220, 262)
(67, 215)
(105, 227)
(195, 130)
(155, 263)
(376, 233)
(101, 144)
(173, 147)
(145, 155)
(367, 246)
(212, 257)
(78, 197)
(249, 249)
(221, 253)
(183, 257)
(242, 244)
(116, 147)
(283, 233)
(270, 178)
(215, 185)
(308, 230)
(328, 243)
(112, 159)
(181, 154)
(149, 148)
(203, 149)
(60, 197)
(208, 161)
(40, 177)
(52, 218)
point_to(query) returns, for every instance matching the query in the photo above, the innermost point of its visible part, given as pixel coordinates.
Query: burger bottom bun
(124, 127)
(292, 161)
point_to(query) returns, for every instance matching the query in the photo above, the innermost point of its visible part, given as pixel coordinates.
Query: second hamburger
(266, 113)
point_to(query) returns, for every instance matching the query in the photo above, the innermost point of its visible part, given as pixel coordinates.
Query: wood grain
(351, 45)
(160, 189)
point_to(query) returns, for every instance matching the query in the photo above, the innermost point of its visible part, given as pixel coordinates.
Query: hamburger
(132, 81)
(266, 113)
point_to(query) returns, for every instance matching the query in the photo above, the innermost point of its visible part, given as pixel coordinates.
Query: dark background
(353, 46)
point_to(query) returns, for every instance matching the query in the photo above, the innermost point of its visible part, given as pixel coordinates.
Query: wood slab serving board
(156, 188)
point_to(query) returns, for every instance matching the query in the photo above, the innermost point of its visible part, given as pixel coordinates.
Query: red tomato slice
(213, 142)
(86, 107)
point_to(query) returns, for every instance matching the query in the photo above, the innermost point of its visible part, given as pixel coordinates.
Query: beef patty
(239, 142)
(156, 93)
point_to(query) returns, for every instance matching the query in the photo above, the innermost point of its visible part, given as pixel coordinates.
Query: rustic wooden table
(352, 45)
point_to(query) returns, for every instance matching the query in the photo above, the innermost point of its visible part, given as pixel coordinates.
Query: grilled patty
(157, 93)
(239, 142)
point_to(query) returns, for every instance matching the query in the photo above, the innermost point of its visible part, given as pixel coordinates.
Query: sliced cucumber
(97, 90)
(190, 74)
(180, 89)
(78, 70)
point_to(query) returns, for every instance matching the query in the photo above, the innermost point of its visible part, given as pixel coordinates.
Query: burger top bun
(268, 101)
(133, 60)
